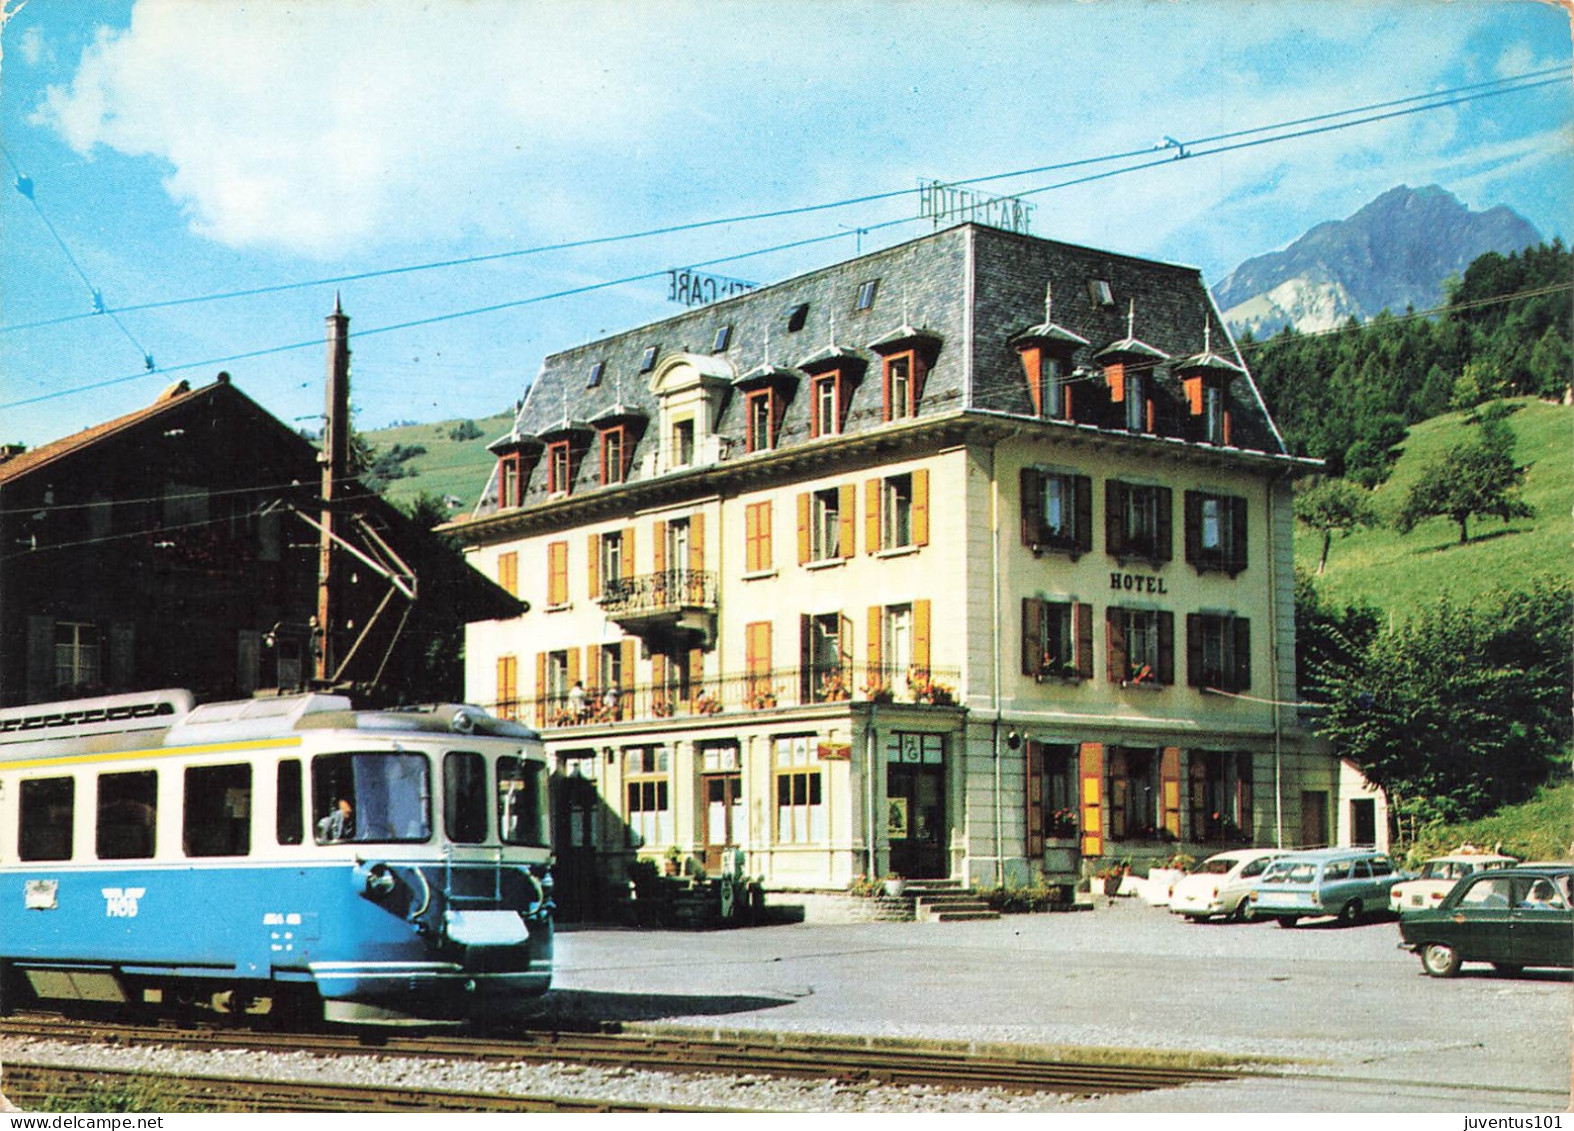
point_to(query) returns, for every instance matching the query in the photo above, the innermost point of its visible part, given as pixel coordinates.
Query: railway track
(848, 1059)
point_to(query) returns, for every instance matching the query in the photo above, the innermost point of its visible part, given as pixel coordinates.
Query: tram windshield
(371, 797)
(522, 802)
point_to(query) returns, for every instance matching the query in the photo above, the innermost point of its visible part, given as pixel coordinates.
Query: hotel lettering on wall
(1137, 583)
(947, 204)
(690, 288)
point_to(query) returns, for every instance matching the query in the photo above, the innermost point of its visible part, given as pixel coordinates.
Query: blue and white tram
(392, 866)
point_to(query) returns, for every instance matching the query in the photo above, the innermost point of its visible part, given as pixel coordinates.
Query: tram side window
(217, 818)
(127, 815)
(371, 797)
(48, 810)
(521, 802)
(289, 828)
(464, 797)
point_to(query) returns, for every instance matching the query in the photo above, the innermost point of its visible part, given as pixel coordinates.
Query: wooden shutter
(696, 669)
(573, 666)
(593, 688)
(628, 552)
(1032, 505)
(507, 686)
(1032, 635)
(921, 636)
(593, 553)
(1091, 771)
(1237, 560)
(658, 551)
(626, 678)
(1166, 672)
(1243, 655)
(921, 506)
(847, 506)
(658, 679)
(1169, 789)
(1115, 377)
(1115, 644)
(757, 648)
(805, 658)
(751, 539)
(872, 491)
(805, 542)
(696, 562)
(1191, 506)
(1033, 369)
(844, 648)
(1193, 387)
(1033, 789)
(1114, 517)
(541, 689)
(1194, 629)
(1164, 536)
(557, 573)
(1082, 494)
(876, 635)
(1083, 616)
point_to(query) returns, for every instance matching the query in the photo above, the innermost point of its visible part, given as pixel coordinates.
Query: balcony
(736, 695)
(666, 605)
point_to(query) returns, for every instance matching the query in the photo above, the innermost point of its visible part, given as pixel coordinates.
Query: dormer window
(1046, 351)
(614, 455)
(558, 464)
(510, 483)
(1100, 294)
(682, 448)
(797, 316)
(722, 340)
(762, 421)
(866, 292)
(1138, 405)
(827, 405)
(647, 360)
(596, 372)
(691, 389)
(904, 381)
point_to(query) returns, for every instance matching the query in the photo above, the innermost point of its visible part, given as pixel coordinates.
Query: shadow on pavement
(590, 1009)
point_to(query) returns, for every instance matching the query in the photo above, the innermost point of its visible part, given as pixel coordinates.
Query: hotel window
(757, 537)
(1137, 521)
(1057, 639)
(1051, 793)
(610, 558)
(1218, 651)
(825, 655)
(825, 525)
(800, 802)
(1141, 646)
(761, 420)
(78, 661)
(827, 405)
(557, 468)
(1221, 796)
(614, 456)
(508, 572)
(1215, 532)
(897, 511)
(904, 374)
(866, 293)
(1135, 790)
(757, 661)
(557, 574)
(649, 811)
(1057, 511)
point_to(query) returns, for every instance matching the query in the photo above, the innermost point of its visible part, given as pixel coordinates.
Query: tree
(1461, 709)
(1334, 505)
(1475, 477)
(1328, 640)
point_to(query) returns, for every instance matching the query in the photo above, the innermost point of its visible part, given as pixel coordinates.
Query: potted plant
(674, 861)
(894, 885)
(1111, 876)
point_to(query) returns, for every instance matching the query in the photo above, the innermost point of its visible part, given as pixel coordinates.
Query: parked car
(1219, 884)
(1510, 917)
(1345, 882)
(1438, 877)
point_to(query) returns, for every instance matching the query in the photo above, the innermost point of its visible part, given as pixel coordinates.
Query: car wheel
(1512, 969)
(1440, 960)
(1289, 920)
(1242, 912)
(1350, 913)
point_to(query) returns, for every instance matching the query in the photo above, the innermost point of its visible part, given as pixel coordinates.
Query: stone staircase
(946, 901)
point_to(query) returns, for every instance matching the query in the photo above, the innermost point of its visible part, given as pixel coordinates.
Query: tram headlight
(373, 879)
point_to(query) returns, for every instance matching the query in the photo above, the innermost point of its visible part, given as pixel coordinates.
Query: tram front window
(371, 797)
(521, 802)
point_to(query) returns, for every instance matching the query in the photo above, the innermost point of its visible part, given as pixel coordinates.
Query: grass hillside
(458, 469)
(1540, 829)
(1400, 574)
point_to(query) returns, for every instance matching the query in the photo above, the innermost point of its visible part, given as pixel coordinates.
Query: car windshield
(1216, 867)
(1442, 870)
(1290, 872)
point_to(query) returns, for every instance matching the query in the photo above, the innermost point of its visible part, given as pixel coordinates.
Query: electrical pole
(335, 460)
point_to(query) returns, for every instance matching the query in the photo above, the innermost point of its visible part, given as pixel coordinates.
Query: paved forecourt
(1374, 1033)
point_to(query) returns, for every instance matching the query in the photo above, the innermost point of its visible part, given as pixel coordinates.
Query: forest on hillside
(1348, 396)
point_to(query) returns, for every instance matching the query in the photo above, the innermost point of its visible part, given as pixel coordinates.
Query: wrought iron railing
(657, 592)
(748, 692)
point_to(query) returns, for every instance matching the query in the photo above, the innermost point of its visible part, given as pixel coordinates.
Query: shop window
(1218, 651)
(1215, 532)
(1140, 646)
(1137, 521)
(1057, 639)
(800, 801)
(580, 803)
(464, 797)
(648, 814)
(46, 819)
(216, 820)
(127, 816)
(1057, 511)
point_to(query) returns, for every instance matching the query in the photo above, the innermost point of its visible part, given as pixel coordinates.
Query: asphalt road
(1372, 1032)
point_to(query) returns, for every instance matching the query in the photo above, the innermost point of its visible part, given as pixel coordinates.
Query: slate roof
(923, 289)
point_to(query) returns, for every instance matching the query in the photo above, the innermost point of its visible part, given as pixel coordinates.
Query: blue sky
(181, 149)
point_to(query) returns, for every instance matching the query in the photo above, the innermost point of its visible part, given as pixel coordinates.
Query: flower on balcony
(925, 690)
(1053, 667)
(705, 704)
(661, 707)
(833, 687)
(1062, 824)
(762, 699)
(878, 690)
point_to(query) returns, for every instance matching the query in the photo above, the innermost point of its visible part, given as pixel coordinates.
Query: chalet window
(558, 479)
(614, 455)
(1141, 646)
(1218, 651)
(47, 818)
(1137, 521)
(1057, 639)
(1215, 532)
(217, 816)
(1057, 511)
(761, 420)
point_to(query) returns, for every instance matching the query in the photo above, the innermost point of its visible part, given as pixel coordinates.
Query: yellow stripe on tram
(151, 752)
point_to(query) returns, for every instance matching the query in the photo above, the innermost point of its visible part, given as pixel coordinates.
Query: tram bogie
(391, 867)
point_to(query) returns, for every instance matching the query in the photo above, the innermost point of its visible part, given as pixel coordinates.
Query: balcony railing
(757, 691)
(669, 591)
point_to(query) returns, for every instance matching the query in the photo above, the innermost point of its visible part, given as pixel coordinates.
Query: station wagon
(1342, 882)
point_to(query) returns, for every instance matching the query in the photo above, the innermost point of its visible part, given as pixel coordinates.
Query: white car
(1218, 885)
(1438, 877)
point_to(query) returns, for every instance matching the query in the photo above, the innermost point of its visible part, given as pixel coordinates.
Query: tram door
(915, 825)
(723, 792)
(577, 884)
